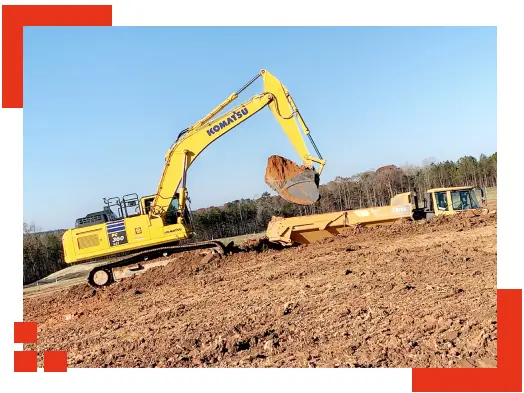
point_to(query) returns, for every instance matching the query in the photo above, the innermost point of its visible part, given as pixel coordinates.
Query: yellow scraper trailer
(437, 201)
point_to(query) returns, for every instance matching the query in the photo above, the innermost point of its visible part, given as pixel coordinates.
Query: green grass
(491, 193)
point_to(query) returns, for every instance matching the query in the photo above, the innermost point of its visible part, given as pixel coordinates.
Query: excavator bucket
(296, 184)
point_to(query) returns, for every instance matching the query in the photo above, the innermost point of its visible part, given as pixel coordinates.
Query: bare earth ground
(419, 294)
(78, 273)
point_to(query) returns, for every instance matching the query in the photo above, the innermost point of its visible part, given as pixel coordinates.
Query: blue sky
(102, 105)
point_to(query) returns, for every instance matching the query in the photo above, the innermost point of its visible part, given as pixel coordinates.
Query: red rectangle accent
(25, 332)
(507, 377)
(55, 361)
(15, 17)
(25, 361)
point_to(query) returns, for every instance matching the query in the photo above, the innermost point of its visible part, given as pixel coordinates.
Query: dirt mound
(414, 294)
(259, 245)
(458, 222)
(279, 170)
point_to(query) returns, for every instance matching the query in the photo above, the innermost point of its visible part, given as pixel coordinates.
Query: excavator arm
(193, 140)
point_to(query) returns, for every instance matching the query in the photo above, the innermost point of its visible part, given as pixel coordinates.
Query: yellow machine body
(134, 232)
(449, 200)
(311, 228)
(120, 236)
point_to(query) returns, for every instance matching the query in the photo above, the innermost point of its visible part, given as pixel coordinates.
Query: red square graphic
(15, 17)
(25, 332)
(55, 361)
(25, 361)
(507, 377)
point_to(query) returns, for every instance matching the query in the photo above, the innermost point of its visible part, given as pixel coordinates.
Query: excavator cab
(464, 199)
(443, 201)
(173, 212)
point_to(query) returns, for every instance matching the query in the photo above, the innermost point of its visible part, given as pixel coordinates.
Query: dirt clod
(465, 363)
(487, 363)
(450, 336)
(279, 170)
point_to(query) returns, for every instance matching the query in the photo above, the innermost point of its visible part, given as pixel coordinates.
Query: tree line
(42, 253)
(366, 189)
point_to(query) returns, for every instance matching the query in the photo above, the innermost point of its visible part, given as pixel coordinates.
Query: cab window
(442, 203)
(172, 211)
(464, 199)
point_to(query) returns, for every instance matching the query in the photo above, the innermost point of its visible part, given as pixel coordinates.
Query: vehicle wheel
(102, 277)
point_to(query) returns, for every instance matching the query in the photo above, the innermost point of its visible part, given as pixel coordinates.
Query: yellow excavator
(130, 231)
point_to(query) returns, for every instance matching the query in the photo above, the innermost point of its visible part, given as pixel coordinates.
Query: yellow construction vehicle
(450, 200)
(436, 202)
(132, 230)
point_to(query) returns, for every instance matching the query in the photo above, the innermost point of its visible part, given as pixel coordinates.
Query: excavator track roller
(102, 277)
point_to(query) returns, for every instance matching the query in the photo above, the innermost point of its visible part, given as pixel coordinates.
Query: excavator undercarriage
(135, 263)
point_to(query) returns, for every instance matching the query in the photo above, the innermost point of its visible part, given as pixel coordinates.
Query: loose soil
(279, 171)
(413, 294)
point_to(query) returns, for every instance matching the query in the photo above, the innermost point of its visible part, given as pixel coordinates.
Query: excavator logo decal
(173, 230)
(401, 209)
(116, 232)
(223, 124)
